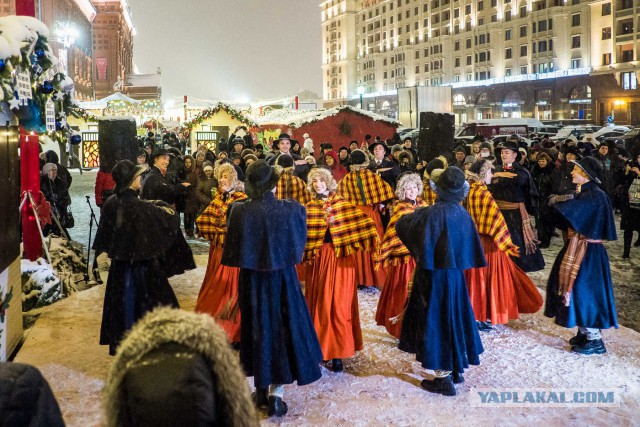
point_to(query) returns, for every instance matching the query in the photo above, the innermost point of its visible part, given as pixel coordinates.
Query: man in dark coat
(266, 239)
(282, 145)
(136, 234)
(158, 185)
(515, 193)
(381, 164)
(439, 326)
(579, 290)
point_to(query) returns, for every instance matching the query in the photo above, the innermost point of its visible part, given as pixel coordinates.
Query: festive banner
(25, 8)
(101, 66)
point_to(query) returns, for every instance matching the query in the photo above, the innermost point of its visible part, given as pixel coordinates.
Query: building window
(468, 59)
(456, 45)
(468, 44)
(494, 18)
(457, 62)
(507, 34)
(523, 50)
(575, 42)
(507, 16)
(629, 81)
(542, 26)
(606, 33)
(575, 20)
(523, 31)
(523, 11)
(480, 21)
(523, 69)
(467, 9)
(606, 59)
(575, 63)
(626, 4)
(542, 46)
(626, 27)
(507, 72)
(507, 53)
(606, 9)
(480, 5)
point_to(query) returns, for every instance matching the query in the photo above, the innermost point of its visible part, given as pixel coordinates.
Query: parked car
(574, 132)
(499, 139)
(610, 131)
(403, 132)
(630, 141)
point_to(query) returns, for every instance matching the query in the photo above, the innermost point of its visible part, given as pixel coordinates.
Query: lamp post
(361, 92)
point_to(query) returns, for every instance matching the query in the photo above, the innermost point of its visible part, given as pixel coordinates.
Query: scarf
(351, 230)
(291, 187)
(212, 223)
(392, 251)
(364, 187)
(530, 238)
(570, 265)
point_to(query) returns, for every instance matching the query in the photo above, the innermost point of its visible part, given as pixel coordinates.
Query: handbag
(634, 193)
(69, 221)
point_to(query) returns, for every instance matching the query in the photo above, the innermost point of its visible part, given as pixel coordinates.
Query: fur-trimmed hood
(197, 332)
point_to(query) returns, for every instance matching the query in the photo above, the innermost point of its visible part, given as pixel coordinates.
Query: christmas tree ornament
(1, 64)
(46, 87)
(39, 53)
(76, 139)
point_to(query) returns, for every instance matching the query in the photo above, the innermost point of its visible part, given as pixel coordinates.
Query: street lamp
(361, 92)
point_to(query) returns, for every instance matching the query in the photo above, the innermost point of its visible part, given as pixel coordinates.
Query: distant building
(549, 59)
(143, 86)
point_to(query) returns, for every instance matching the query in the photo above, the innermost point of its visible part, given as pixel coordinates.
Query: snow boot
(277, 407)
(443, 386)
(457, 378)
(260, 398)
(579, 339)
(590, 347)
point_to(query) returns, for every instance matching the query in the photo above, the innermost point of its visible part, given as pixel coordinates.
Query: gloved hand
(557, 198)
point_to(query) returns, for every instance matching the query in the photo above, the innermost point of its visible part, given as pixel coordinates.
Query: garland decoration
(205, 114)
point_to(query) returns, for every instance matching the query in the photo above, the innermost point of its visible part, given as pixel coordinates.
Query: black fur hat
(260, 178)
(451, 180)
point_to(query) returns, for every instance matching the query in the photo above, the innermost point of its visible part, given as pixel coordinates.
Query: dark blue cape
(590, 213)
(265, 234)
(441, 236)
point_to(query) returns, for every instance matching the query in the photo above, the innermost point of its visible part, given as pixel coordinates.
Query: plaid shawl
(351, 230)
(292, 187)
(392, 251)
(428, 195)
(364, 187)
(487, 216)
(212, 224)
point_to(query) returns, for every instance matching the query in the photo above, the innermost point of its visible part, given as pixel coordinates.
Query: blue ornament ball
(1, 64)
(46, 87)
(39, 53)
(58, 125)
(76, 139)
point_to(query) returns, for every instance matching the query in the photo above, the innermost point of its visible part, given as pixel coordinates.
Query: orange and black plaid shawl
(487, 216)
(392, 251)
(364, 187)
(351, 230)
(212, 224)
(428, 195)
(292, 187)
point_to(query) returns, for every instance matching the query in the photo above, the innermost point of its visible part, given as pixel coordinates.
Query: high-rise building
(549, 59)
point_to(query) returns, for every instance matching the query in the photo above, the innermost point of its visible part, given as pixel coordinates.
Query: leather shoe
(337, 365)
(442, 386)
(484, 326)
(579, 339)
(277, 407)
(457, 378)
(590, 347)
(260, 398)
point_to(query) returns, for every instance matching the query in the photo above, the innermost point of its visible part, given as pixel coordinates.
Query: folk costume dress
(438, 325)
(219, 292)
(336, 231)
(501, 290)
(366, 190)
(428, 195)
(514, 197)
(137, 282)
(278, 344)
(580, 292)
(396, 259)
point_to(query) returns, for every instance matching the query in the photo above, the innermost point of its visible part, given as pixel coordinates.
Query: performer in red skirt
(501, 290)
(219, 293)
(395, 256)
(336, 230)
(370, 193)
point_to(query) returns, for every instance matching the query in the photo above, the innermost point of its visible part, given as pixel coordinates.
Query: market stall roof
(103, 103)
(298, 118)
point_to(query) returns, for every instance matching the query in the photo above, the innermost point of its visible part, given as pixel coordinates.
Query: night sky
(230, 49)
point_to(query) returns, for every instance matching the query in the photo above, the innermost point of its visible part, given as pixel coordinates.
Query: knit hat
(260, 178)
(591, 167)
(237, 141)
(124, 173)
(459, 149)
(571, 149)
(469, 159)
(207, 167)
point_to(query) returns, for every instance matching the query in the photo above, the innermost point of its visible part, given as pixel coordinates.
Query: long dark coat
(160, 187)
(630, 219)
(592, 304)
(439, 325)
(57, 193)
(135, 234)
(265, 239)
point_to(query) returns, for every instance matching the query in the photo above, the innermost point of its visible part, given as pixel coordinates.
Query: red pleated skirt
(219, 295)
(365, 268)
(394, 296)
(501, 290)
(332, 298)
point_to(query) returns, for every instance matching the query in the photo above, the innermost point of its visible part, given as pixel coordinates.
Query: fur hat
(249, 157)
(469, 159)
(387, 149)
(285, 161)
(396, 148)
(237, 141)
(481, 167)
(433, 165)
(451, 181)
(572, 149)
(591, 167)
(359, 160)
(260, 178)
(124, 173)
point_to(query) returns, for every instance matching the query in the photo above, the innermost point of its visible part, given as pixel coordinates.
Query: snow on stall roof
(298, 118)
(102, 104)
(116, 118)
(16, 30)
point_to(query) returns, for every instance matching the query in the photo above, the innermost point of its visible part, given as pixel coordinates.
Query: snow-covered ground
(380, 385)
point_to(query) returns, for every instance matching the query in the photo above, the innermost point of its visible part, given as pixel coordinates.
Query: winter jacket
(176, 368)
(63, 173)
(204, 193)
(104, 187)
(26, 398)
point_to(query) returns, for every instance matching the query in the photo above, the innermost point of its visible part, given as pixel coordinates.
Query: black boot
(261, 398)
(457, 378)
(590, 347)
(579, 339)
(628, 237)
(277, 407)
(443, 386)
(337, 365)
